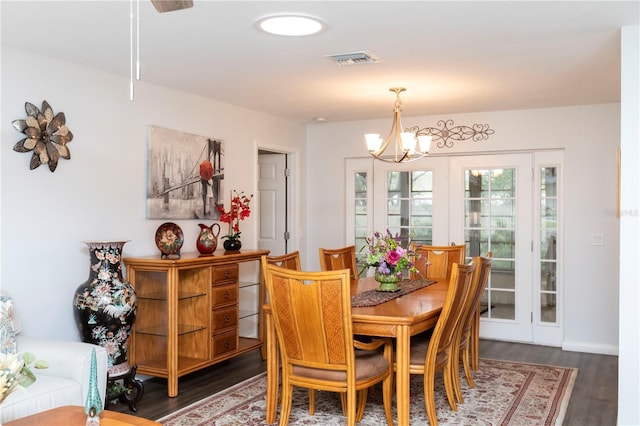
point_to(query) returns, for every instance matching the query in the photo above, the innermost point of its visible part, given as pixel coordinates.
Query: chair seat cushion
(418, 352)
(419, 347)
(368, 364)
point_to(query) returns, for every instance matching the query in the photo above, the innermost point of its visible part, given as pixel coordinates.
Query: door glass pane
(410, 205)
(490, 221)
(361, 219)
(498, 304)
(548, 242)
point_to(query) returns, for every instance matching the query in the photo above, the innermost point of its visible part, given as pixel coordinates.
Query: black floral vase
(232, 244)
(105, 305)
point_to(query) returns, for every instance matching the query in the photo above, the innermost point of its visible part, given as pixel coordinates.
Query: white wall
(588, 134)
(100, 192)
(629, 362)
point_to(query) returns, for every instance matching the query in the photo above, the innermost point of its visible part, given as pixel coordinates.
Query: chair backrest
(288, 261)
(341, 258)
(478, 284)
(444, 332)
(436, 262)
(312, 316)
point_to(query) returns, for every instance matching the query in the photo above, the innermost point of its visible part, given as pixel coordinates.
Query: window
(361, 215)
(490, 226)
(410, 205)
(548, 243)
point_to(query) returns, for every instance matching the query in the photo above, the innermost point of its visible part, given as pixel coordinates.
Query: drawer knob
(227, 274)
(227, 295)
(226, 345)
(226, 320)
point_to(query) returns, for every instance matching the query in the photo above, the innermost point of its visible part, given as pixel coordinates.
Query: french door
(508, 205)
(491, 210)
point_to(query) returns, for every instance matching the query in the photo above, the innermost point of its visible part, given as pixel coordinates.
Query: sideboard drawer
(226, 342)
(224, 295)
(224, 318)
(224, 273)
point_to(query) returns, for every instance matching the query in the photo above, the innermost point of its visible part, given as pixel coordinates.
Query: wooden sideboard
(189, 312)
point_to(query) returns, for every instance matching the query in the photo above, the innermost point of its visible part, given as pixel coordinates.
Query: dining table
(400, 318)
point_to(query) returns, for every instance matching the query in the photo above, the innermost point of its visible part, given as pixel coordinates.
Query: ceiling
(452, 56)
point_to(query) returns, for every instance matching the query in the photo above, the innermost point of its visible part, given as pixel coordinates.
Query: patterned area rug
(506, 393)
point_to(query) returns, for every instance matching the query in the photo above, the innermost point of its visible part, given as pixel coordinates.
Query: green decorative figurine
(93, 406)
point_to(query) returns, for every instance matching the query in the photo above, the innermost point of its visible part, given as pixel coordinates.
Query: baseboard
(571, 346)
(590, 348)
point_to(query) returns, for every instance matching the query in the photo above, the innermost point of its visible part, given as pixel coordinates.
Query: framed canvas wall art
(185, 175)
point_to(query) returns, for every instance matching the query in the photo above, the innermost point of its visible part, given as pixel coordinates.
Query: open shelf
(155, 365)
(245, 284)
(161, 330)
(182, 295)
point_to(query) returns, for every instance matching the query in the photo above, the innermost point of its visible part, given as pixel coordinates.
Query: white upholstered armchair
(64, 382)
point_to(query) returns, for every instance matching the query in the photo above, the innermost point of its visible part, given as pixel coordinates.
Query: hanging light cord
(130, 50)
(131, 44)
(138, 40)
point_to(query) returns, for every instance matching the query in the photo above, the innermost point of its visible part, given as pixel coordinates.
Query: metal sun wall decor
(446, 135)
(47, 135)
(186, 175)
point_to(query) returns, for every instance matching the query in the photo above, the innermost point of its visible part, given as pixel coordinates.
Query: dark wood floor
(594, 400)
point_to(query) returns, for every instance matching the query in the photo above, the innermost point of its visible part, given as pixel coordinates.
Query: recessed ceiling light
(291, 25)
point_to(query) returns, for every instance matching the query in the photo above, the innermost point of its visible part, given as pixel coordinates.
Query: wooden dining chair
(312, 317)
(288, 261)
(432, 354)
(470, 313)
(435, 262)
(340, 258)
(291, 261)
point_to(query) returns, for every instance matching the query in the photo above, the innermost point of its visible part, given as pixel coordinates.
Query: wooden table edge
(72, 415)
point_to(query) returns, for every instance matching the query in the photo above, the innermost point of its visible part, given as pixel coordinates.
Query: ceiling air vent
(354, 58)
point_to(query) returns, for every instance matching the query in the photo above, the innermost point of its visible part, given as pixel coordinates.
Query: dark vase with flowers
(240, 210)
(232, 244)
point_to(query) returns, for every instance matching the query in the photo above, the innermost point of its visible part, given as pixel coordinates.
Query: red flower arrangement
(240, 210)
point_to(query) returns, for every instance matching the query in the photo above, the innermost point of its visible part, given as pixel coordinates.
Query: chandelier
(404, 142)
(414, 143)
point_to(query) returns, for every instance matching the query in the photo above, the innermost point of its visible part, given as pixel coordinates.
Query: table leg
(403, 343)
(272, 369)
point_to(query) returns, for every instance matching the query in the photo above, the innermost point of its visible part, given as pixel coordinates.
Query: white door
(508, 204)
(272, 189)
(491, 210)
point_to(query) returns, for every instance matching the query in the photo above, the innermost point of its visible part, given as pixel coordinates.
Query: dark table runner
(374, 297)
